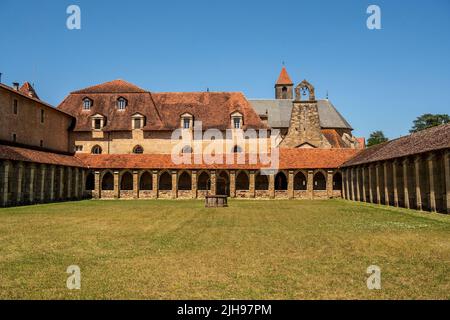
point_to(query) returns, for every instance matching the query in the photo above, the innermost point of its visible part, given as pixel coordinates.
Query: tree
(376, 137)
(429, 120)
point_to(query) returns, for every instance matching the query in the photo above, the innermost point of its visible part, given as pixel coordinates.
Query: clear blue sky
(378, 79)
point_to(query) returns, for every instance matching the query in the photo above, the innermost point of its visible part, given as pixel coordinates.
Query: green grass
(251, 250)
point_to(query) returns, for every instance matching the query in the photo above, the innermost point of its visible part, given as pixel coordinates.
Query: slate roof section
(289, 159)
(29, 155)
(279, 113)
(432, 139)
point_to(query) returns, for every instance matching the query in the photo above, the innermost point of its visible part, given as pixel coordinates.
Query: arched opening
(337, 181)
(284, 93)
(146, 182)
(242, 181)
(223, 184)
(90, 182)
(300, 181)
(203, 182)
(280, 181)
(261, 182)
(138, 150)
(319, 181)
(165, 181)
(237, 149)
(96, 150)
(126, 183)
(185, 181)
(108, 181)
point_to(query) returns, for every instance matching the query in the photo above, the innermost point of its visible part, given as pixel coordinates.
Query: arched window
(184, 181)
(319, 182)
(280, 181)
(138, 149)
(87, 104)
(337, 181)
(284, 93)
(146, 182)
(242, 181)
(96, 149)
(203, 181)
(186, 149)
(299, 181)
(90, 182)
(108, 181)
(237, 149)
(261, 182)
(126, 183)
(121, 103)
(165, 181)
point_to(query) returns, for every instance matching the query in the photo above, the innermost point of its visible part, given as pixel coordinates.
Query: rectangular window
(97, 124)
(237, 123)
(78, 148)
(14, 137)
(137, 123)
(186, 123)
(41, 143)
(15, 107)
(42, 116)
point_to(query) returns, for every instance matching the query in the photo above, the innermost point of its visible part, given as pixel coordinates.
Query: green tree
(429, 120)
(376, 137)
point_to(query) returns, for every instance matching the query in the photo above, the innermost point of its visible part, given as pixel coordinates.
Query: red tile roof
(289, 159)
(28, 89)
(284, 77)
(435, 138)
(115, 86)
(334, 138)
(28, 155)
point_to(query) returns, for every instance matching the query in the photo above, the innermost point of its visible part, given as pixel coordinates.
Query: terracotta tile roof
(289, 159)
(162, 110)
(284, 78)
(28, 155)
(28, 89)
(435, 138)
(334, 138)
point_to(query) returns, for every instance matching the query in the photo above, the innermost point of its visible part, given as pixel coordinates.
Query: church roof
(279, 113)
(284, 78)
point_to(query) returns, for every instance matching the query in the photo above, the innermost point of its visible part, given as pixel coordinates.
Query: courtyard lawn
(252, 250)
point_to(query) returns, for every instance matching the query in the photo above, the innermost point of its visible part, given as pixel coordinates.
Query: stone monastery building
(116, 140)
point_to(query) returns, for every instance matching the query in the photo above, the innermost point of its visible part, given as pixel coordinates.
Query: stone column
(370, 169)
(4, 180)
(97, 186)
(155, 186)
(377, 182)
(174, 184)
(252, 184)
(310, 184)
(417, 174)
(77, 183)
(69, 183)
(394, 182)
(194, 184)
(43, 170)
(116, 185)
(358, 193)
(343, 183)
(329, 184)
(51, 187)
(363, 175)
(19, 190)
(31, 189)
(430, 161)
(232, 183)
(352, 184)
(386, 185)
(291, 184)
(213, 182)
(83, 183)
(272, 185)
(61, 183)
(447, 180)
(347, 183)
(135, 184)
(405, 182)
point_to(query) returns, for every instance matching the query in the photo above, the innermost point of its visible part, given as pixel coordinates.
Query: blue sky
(378, 79)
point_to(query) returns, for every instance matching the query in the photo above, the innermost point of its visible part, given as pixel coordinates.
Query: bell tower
(284, 87)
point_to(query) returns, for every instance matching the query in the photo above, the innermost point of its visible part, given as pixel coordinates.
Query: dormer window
(98, 122)
(186, 121)
(137, 121)
(236, 120)
(121, 103)
(87, 104)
